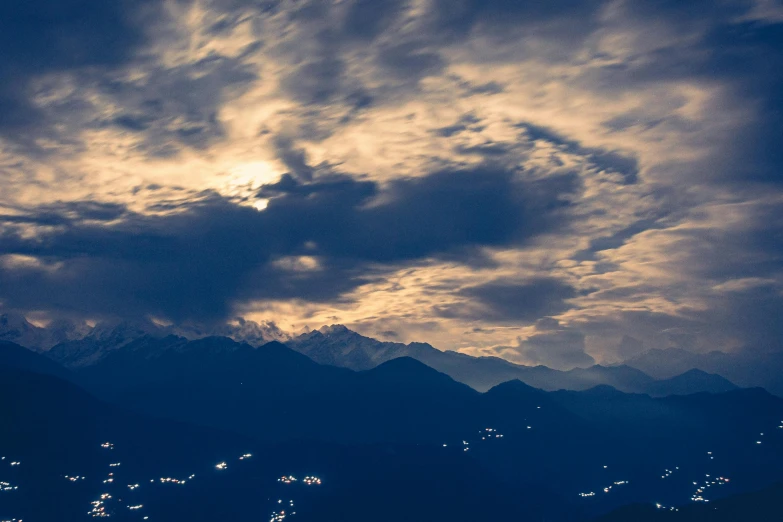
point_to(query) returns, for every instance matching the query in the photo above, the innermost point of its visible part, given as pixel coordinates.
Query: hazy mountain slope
(16, 328)
(338, 346)
(102, 340)
(91, 345)
(692, 381)
(760, 506)
(15, 356)
(746, 369)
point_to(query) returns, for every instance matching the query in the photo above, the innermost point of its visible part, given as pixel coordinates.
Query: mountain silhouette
(337, 345)
(747, 368)
(56, 430)
(692, 381)
(14, 356)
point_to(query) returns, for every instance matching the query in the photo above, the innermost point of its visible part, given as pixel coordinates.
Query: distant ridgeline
(77, 345)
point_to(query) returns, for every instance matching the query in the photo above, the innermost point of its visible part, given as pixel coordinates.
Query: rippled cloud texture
(552, 182)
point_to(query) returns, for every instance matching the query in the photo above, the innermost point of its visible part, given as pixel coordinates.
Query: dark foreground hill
(273, 394)
(596, 449)
(67, 456)
(760, 506)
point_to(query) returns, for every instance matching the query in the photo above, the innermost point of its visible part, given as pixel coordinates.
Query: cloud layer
(555, 183)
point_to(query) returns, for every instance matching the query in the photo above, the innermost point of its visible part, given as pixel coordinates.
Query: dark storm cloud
(505, 300)
(43, 36)
(317, 81)
(752, 314)
(167, 107)
(293, 158)
(66, 213)
(410, 61)
(463, 15)
(751, 55)
(563, 24)
(444, 212)
(552, 344)
(556, 346)
(366, 19)
(728, 46)
(466, 122)
(615, 240)
(202, 259)
(523, 301)
(177, 107)
(604, 159)
(192, 264)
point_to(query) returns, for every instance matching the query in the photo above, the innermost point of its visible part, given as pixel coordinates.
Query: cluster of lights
(661, 506)
(485, 434)
(169, 480)
(669, 472)
(490, 433)
(607, 489)
(698, 495)
(279, 516)
(99, 507)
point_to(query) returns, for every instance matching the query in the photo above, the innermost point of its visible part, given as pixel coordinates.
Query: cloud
(603, 159)
(47, 36)
(518, 302)
(445, 213)
(553, 345)
(610, 164)
(314, 241)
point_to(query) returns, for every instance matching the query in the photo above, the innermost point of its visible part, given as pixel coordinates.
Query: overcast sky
(554, 182)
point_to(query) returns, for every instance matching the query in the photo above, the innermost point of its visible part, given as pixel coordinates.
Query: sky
(560, 183)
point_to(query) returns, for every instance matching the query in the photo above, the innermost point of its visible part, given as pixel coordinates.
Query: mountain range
(401, 434)
(743, 368)
(336, 345)
(87, 457)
